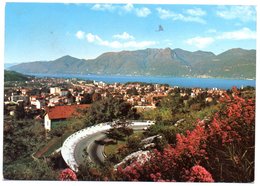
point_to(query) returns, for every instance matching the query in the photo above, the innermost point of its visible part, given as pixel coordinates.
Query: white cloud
(80, 34)
(167, 14)
(242, 34)
(196, 12)
(91, 38)
(123, 36)
(200, 42)
(142, 12)
(244, 13)
(128, 8)
(103, 7)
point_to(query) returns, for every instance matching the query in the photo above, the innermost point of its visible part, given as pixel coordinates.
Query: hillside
(8, 65)
(234, 63)
(14, 76)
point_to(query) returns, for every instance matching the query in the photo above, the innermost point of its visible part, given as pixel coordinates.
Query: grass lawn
(58, 143)
(113, 148)
(52, 145)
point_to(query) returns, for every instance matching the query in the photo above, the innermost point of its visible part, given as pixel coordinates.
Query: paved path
(73, 149)
(94, 150)
(88, 147)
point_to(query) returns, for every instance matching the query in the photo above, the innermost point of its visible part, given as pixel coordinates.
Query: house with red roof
(60, 113)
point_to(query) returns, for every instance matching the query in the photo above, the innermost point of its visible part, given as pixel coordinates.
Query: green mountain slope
(14, 76)
(231, 64)
(234, 63)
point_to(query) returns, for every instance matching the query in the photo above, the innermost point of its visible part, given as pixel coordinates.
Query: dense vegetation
(220, 147)
(21, 139)
(220, 150)
(109, 109)
(14, 76)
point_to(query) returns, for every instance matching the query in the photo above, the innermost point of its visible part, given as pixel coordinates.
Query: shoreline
(186, 82)
(135, 76)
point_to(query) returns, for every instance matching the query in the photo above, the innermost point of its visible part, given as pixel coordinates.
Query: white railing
(68, 147)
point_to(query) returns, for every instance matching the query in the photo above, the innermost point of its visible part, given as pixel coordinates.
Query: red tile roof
(64, 112)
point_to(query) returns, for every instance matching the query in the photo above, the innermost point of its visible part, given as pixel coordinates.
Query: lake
(172, 81)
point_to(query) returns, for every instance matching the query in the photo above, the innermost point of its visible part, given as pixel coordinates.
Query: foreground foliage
(21, 139)
(29, 169)
(220, 149)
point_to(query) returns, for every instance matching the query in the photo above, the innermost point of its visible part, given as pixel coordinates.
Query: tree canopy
(108, 109)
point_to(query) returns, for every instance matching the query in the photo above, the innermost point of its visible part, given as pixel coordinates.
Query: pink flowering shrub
(221, 150)
(67, 175)
(231, 141)
(198, 174)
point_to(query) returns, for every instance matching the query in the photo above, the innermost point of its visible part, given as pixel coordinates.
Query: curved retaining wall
(68, 147)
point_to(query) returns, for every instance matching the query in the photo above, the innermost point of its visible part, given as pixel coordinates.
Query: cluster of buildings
(60, 98)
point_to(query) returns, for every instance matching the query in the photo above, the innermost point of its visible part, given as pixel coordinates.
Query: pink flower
(67, 175)
(194, 147)
(199, 174)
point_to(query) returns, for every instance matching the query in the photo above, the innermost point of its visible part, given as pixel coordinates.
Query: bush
(220, 150)
(67, 175)
(198, 174)
(133, 143)
(29, 170)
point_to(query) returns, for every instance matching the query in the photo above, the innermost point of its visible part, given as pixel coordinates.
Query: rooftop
(65, 111)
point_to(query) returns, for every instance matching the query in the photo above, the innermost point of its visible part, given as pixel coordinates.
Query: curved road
(93, 150)
(88, 148)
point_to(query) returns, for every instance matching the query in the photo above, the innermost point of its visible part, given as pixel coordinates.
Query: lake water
(172, 81)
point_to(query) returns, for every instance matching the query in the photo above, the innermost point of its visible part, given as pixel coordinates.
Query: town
(41, 97)
(58, 124)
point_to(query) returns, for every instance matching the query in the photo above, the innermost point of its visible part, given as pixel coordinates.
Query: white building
(39, 103)
(55, 90)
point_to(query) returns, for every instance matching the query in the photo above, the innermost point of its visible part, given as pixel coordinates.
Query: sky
(47, 31)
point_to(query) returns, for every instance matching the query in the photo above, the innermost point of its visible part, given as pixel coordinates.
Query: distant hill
(8, 65)
(234, 63)
(14, 76)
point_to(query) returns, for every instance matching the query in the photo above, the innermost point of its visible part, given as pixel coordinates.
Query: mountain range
(233, 63)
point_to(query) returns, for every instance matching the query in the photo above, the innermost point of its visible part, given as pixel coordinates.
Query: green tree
(106, 110)
(172, 102)
(58, 130)
(115, 134)
(30, 170)
(132, 91)
(87, 99)
(133, 143)
(21, 138)
(20, 112)
(96, 97)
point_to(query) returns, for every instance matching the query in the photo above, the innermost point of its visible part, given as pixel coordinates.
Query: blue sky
(47, 31)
